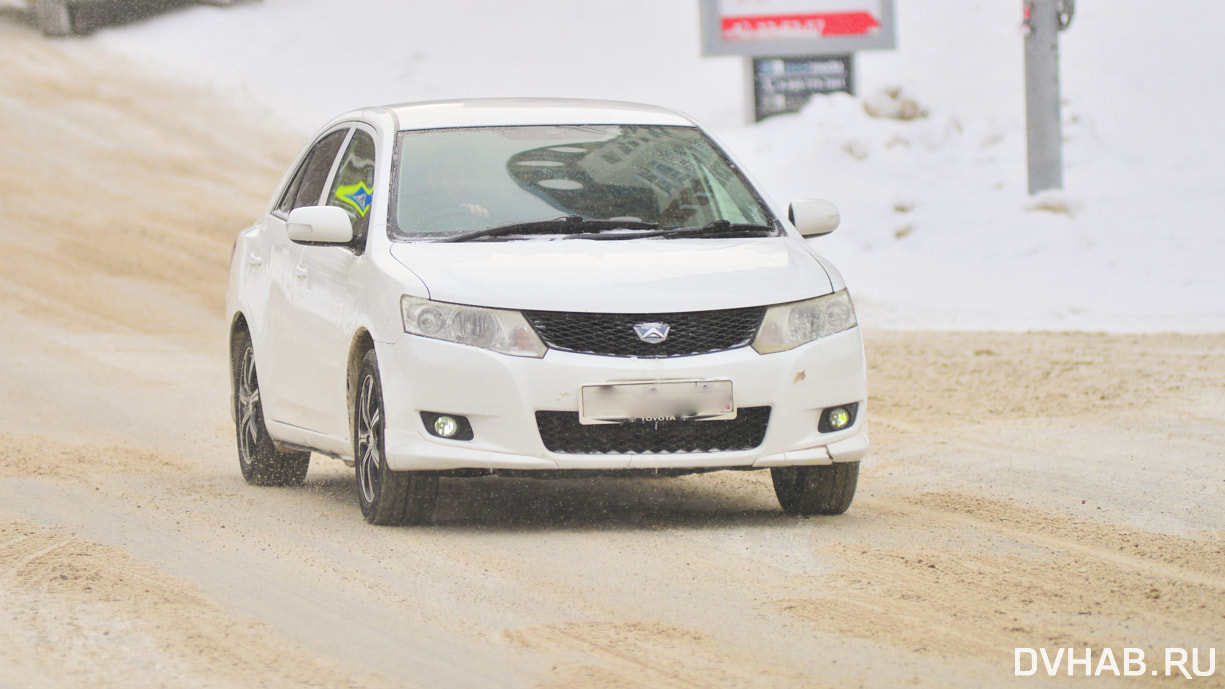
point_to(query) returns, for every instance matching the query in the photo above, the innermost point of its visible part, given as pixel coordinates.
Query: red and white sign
(786, 20)
(797, 28)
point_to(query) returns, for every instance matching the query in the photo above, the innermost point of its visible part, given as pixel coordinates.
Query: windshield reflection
(462, 180)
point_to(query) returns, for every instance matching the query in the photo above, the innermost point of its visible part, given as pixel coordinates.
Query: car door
(278, 338)
(323, 303)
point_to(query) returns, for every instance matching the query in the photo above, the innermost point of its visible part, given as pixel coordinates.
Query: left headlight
(500, 330)
(788, 326)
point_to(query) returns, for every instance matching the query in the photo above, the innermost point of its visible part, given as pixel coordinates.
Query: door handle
(255, 260)
(300, 271)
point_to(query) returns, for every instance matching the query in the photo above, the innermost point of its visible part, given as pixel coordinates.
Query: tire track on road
(82, 614)
(1040, 580)
(648, 656)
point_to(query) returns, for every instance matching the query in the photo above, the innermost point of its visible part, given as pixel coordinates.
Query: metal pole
(1044, 130)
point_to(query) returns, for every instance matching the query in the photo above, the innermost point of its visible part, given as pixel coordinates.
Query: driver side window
(353, 189)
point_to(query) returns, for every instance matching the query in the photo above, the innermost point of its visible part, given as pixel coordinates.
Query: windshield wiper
(578, 227)
(715, 229)
(566, 224)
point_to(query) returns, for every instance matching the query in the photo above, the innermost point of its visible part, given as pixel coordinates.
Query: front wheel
(261, 462)
(827, 489)
(388, 498)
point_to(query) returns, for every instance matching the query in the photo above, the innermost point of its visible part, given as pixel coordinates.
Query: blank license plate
(688, 400)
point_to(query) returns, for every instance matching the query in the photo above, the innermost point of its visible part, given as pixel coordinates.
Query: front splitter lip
(412, 451)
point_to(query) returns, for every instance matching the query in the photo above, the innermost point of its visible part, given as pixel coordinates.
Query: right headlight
(788, 326)
(500, 330)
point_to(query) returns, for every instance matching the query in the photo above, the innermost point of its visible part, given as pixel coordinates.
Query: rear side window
(307, 184)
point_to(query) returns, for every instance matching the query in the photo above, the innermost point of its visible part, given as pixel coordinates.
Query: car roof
(493, 112)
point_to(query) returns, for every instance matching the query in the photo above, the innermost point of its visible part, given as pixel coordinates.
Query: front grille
(563, 433)
(612, 334)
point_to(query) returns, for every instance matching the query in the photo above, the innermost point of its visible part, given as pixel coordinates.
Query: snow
(938, 229)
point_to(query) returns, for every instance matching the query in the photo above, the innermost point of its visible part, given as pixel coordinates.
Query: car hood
(628, 276)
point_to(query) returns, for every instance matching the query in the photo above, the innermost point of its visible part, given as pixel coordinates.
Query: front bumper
(500, 396)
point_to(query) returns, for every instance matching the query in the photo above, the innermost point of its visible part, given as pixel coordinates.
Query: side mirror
(814, 217)
(320, 225)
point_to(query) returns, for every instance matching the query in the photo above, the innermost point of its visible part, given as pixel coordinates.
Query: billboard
(772, 28)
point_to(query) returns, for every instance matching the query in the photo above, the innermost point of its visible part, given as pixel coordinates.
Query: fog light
(446, 426)
(449, 426)
(837, 418)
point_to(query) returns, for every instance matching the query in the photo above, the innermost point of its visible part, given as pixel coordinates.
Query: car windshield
(468, 181)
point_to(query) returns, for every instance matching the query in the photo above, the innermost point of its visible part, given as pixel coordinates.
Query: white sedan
(534, 287)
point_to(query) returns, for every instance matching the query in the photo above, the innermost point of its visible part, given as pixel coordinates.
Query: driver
(446, 192)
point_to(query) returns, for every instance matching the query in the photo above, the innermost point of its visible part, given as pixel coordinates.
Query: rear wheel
(827, 489)
(387, 497)
(261, 462)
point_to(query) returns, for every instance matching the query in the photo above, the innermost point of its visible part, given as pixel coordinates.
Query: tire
(55, 17)
(827, 489)
(387, 498)
(261, 462)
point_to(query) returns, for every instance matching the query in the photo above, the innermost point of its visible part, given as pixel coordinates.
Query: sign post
(1043, 21)
(795, 48)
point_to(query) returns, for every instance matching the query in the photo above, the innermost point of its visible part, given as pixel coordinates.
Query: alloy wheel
(249, 422)
(369, 438)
